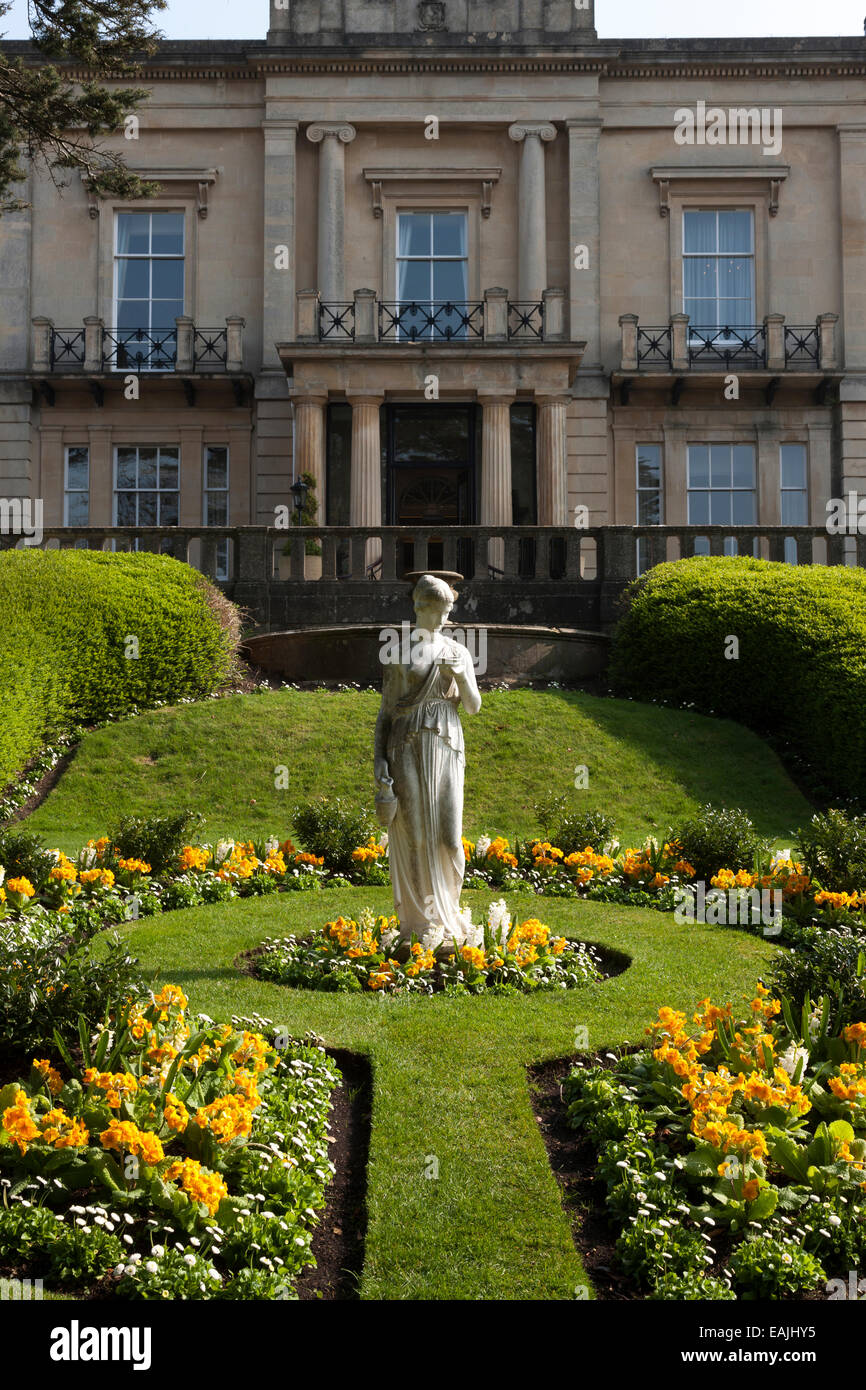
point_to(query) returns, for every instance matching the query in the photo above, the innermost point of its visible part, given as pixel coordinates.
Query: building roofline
(249, 58)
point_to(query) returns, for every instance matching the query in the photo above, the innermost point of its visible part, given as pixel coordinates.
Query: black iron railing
(67, 347)
(802, 347)
(446, 321)
(654, 346)
(210, 347)
(337, 321)
(526, 320)
(139, 349)
(727, 347)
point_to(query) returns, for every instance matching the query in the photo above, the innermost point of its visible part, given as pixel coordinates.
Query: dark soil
(45, 784)
(338, 1241)
(573, 1161)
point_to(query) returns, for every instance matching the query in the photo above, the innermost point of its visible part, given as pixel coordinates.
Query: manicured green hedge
(65, 617)
(801, 670)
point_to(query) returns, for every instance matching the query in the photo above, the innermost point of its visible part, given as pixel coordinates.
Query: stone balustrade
(563, 576)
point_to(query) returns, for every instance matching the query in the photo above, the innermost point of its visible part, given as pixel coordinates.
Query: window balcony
(493, 319)
(769, 352)
(94, 350)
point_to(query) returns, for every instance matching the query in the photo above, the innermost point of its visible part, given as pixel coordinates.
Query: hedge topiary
(800, 672)
(66, 617)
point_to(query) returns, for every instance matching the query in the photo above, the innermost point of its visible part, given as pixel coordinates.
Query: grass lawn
(448, 1074)
(648, 766)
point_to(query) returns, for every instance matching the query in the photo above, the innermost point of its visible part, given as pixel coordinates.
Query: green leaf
(840, 1129)
(84, 1039)
(701, 1164)
(65, 1054)
(764, 1204)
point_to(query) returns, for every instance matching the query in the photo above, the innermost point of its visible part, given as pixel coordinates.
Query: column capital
(341, 129)
(543, 129)
(359, 398)
(492, 397)
(548, 398)
(300, 396)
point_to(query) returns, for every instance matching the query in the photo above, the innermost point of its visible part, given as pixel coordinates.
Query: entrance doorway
(431, 470)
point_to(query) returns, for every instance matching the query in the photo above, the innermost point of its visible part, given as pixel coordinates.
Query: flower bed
(176, 1158)
(509, 957)
(732, 1151)
(102, 885)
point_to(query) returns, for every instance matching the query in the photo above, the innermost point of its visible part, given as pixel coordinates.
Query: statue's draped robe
(426, 761)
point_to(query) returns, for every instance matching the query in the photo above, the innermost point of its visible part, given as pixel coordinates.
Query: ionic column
(532, 219)
(365, 493)
(332, 205)
(309, 442)
(551, 460)
(496, 507)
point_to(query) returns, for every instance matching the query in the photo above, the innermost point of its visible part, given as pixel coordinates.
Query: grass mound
(648, 767)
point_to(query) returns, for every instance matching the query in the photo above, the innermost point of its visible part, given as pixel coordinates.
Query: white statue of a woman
(419, 747)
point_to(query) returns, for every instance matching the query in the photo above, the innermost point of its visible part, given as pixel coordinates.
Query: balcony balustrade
(493, 319)
(95, 349)
(773, 346)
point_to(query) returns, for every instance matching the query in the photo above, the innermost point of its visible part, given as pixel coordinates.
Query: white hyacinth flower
(790, 1059)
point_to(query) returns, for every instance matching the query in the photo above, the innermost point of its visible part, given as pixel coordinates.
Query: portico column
(532, 217)
(365, 492)
(332, 203)
(309, 442)
(496, 507)
(551, 456)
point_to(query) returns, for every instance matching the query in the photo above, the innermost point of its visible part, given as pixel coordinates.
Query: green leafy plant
(826, 962)
(23, 855)
(308, 516)
(717, 837)
(157, 840)
(833, 850)
(331, 829)
(572, 829)
(766, 1268)
(685, 1288)
(52, 973)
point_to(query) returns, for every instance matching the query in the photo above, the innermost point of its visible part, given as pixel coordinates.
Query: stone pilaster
(531, 213)
(278, 317)
(551, 460)
(584, 222)
(332, 139)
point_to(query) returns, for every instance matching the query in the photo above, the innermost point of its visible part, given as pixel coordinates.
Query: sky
(621, 19)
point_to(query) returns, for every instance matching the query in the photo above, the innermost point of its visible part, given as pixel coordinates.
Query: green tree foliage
(54, 101)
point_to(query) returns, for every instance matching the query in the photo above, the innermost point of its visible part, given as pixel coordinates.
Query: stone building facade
(463, 263)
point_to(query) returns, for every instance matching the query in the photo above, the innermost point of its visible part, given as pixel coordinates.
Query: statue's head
(433, 600)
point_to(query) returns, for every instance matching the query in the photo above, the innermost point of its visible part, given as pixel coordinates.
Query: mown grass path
(450, 1091)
